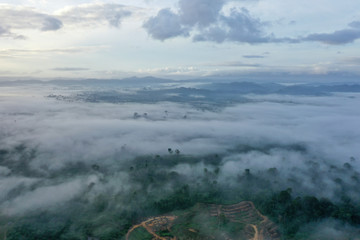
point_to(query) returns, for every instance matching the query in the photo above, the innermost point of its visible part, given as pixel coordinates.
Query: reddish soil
(155, 224)
(259, 227)
(245, 212)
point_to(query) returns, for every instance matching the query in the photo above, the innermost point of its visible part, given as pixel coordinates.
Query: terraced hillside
(245, 212)
(209, 221)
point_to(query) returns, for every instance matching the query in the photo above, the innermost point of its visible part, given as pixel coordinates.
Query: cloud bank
(81, 161)
(66, 136)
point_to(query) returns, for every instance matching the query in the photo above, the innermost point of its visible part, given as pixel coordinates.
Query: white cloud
(68, 133)
(26, 53)
(19, 18)
(47, 196)
(94, 14)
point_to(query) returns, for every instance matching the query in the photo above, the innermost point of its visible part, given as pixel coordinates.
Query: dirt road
(151, 222)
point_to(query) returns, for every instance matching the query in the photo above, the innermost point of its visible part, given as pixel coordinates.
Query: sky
(177, 38)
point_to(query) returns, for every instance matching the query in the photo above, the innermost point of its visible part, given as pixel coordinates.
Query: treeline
(291, 213)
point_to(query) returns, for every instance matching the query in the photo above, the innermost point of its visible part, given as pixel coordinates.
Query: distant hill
(274, 88)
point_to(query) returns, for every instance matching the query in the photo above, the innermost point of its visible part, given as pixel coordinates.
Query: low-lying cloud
(59, 153)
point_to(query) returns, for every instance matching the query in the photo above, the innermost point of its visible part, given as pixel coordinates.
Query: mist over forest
(88, 159)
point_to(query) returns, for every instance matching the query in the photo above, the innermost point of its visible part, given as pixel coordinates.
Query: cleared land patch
(210, 221)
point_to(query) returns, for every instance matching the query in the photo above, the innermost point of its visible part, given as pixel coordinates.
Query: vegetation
(292, 213)
(140, 233)
(157, 185)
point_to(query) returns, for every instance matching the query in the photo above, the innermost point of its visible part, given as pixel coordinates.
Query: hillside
(208, 221)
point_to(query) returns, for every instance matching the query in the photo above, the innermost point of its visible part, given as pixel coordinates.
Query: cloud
(355, 24)
(239, 26)
(200, 12)
(94, 14)
(253, 56)
(51, 24)
(336, 38)
(244, 28)
(87, 15)
(329, 229)
(18, 18)
(339, 37)
(29, 52)
(50, 195)
(235, 64)
(70, 69)
(68, 137)
(351, 60)
(3, 31)
(205, 20)
(165, 25)
(181, 70)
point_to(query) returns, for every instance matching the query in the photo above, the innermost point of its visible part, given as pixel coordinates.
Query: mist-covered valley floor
(88, 160)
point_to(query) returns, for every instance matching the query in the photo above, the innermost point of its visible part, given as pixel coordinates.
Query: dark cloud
(213, 34)
(205, 19)
(253, 56)
(207, 22)
(336, 38)
(51, 24)
(343, 36)
(239, 26)
(200, 12)
(244, 28)
(165, 25)
(355, 24)
(3, 31)
(353, 60)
